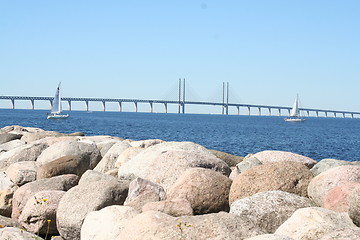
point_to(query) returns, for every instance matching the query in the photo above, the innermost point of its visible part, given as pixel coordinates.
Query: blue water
(317, 138)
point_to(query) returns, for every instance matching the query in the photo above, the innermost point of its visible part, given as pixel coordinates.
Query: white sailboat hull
(57, 116)
(294, 119)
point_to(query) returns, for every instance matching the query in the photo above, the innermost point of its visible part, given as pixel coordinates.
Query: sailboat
(295, 112)
(56, 106)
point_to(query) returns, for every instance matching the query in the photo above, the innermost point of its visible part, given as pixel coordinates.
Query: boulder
(270, 156)
(14, 233)
(8, 222)
(34, 136)
(289, 177)
(313, 223)
(126, 155)
(22, 172)
(70, 148)
(206, 190)
(108, 161)
(231, 160)
(145, 143)
(331, 178)
(175, 207)
(343, 234)
(326, 164)
(105, 146)
(336, 199)
(354, 205)
(7, 137)
(247, 164)
(28, 152)
(39, 213)
(142, 191)
(19, 129)
(268, 210)
(270, 237)
(215, 226)
(163, 163)
(77, 165)
(103, 190)
(7, 189)
(106, 223)
(11, 145)
(22, 195)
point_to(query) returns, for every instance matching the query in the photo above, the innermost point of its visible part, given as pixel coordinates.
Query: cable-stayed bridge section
(260, 109)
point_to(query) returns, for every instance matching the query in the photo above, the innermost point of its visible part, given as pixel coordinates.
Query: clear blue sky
(268, 50)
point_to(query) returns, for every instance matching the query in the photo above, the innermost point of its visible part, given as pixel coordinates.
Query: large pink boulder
(336, 199)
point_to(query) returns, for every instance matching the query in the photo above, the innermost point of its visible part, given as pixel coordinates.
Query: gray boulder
(11, 145)
(70, 148)
(231, 160)
(247, 164)
(22, 172)
(7, 189)
(7, 137)
(22, 195)
(163, 163)
(88, 196)
(14, 233)
(326, 164)
(8, 222)
(270, 156)
(269, 209)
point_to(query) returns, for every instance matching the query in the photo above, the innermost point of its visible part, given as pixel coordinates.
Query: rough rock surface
(247, 164)
(108, 161)
(22, 172)
(336, 199)
(77, 165)
(216, 226)
(326, 164)
(331, 178)
(175, 208)
(206, 190)
(354, 205)
(70, 148)
(103, 190)
(126, 155)
(270, 156)
(7, 137)
(289, 177)
(142, 191)
(270, 237)
(106, 223)
(39, 213)
(163, 163)
(22, 195)
(13, 233)
(11, 145)
(7, 189)
(269, 209)
(313, 223)
(230, 159)
(8, 222)
(343, 234)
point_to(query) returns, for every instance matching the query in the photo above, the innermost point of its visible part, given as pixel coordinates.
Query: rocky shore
(71, 187)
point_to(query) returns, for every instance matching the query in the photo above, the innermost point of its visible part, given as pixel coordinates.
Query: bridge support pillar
(69, 103)
(335, 114)
(259, 109)
(238, 110)
(165, 108)
(151, 107)
(87, 105)
(135, 107)
(269, 111)
(279, 112)
(308, 113)
(352, 115)
(249, 110)
(13, 103)
(103, 106)
(317, 114)
(32, 104)
(51, 104)
(289, 112)
(119, 106)
(326, 114)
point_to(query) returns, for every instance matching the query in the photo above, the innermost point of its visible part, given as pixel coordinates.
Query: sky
(268, 50)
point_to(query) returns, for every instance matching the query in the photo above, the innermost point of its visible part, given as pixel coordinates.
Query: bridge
(181, 103)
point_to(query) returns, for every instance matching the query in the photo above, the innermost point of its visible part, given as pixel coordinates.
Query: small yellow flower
(1, 226)
(49, 220)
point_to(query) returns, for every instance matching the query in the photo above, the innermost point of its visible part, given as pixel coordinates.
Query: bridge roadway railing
(181, 104)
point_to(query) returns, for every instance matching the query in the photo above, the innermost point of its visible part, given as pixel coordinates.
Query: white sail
(295, 109)
(56, 106)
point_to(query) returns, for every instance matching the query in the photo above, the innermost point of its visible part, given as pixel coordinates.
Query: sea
(317, 138)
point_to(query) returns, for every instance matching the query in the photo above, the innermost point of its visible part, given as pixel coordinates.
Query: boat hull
(294, 119)
(58, 116)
